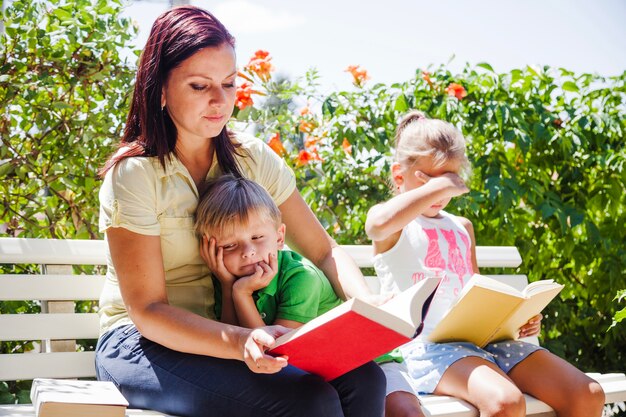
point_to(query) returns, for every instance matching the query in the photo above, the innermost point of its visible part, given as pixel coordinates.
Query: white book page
(408, 304)
(540, 286)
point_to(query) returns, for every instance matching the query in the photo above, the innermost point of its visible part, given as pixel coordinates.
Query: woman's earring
(163, 107)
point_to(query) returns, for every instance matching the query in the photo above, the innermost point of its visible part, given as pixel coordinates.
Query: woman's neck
(197, 158)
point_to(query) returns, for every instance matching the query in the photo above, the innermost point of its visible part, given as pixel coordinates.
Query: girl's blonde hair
(228, 202)
(419, 137)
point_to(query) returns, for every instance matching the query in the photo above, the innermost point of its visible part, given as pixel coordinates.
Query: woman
(159, 342)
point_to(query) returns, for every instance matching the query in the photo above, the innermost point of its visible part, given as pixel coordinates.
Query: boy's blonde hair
(228, 202)
(419, 137)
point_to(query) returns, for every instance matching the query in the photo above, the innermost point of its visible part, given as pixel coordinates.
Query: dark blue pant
(154, 377)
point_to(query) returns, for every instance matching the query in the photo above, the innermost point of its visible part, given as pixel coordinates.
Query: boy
(256, 282)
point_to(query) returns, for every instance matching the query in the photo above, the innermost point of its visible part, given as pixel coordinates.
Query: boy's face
(407, 180)
(244, 246)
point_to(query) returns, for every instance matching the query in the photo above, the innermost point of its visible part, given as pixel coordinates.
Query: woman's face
(199, 94)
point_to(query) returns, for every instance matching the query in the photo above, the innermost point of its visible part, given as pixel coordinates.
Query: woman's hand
(532, 328)
(214, 259)
(255, 345)
(264, 274)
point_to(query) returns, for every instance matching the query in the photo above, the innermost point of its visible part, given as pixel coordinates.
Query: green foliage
(63, 91)
(63, 98)
(548, 156)
(621, 314)
(546, 147)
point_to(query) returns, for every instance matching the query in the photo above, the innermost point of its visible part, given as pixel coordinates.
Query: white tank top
(428, 247)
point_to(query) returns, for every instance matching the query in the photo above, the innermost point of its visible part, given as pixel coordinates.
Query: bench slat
(614, 386)
(93, 252)
(51, 287)
(52, 251)
(26, 366)
(49, 326)
(487, 256)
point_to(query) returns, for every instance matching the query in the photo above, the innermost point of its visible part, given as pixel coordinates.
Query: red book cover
(355, 332)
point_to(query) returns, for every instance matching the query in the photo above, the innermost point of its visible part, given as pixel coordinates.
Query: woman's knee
(315, 397)
(362, 391)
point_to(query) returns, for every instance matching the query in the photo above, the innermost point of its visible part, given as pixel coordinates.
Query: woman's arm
(306, 235)
(139, 267)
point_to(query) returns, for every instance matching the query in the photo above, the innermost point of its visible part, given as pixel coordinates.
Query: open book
(356, 332)
(488, 310)
(72, 398)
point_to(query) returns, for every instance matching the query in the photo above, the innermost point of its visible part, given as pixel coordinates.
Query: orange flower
(304, 157)
(347, 147)
(311, 141)
(456, 90)
(359, 75)
(244, 95)
(305, 111)
(307, 155)
(306, 126)
(260, 65)
(276, 144)
(426, 77)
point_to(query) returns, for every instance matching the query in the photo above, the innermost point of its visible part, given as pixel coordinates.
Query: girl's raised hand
(214, 259)
(449, 181)
(255, 345)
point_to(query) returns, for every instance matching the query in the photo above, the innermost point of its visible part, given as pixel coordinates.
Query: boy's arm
(213, 256)
(246, 310)
(243, 288)
(228, 314)
(390, 217)
(292, 324)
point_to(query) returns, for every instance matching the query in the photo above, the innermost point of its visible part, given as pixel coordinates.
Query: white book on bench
(74, 398)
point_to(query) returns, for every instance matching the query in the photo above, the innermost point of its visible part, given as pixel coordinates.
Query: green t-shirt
(299, 292)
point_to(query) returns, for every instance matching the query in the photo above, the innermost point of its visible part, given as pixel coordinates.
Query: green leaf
(401, 104)
(570, 86)
(485, 66)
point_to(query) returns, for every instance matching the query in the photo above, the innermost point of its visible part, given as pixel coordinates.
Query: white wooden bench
(57, 327)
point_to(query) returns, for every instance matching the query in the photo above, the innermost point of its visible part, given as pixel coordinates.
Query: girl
(414, 237)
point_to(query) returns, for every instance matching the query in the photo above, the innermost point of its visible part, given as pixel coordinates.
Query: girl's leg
(154, 377)
(402, 404)
(483, 384)
(362, 391)
(559, 384)
(401, 400)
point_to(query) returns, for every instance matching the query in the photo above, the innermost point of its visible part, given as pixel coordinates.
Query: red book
(356, 332)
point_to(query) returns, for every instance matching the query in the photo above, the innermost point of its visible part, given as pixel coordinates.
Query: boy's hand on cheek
(213, 256)
(262, 276)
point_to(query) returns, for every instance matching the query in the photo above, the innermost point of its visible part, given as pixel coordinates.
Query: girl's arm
(389, 218)
(138, 262)
(470, 230)
(306, 236)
